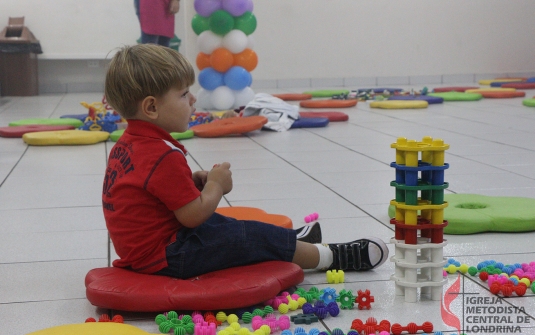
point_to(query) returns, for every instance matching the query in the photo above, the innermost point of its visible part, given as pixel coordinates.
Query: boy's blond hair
(136, 72)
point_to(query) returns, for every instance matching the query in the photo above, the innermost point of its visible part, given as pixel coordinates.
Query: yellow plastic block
(65, 137)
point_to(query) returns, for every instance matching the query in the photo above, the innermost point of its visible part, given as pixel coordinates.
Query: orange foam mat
(293, 96)
(256, 214)
(230, 126)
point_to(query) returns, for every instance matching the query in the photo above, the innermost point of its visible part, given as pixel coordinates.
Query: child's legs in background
(222, 242)
(155, 39)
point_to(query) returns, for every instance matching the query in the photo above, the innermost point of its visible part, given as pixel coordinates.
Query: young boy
(161, 216)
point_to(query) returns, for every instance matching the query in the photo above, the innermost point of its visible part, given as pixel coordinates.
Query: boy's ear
(148, 107)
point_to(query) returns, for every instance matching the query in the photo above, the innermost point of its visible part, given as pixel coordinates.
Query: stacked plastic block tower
(419, 219)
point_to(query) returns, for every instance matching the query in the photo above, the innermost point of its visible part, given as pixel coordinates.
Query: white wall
(317, 38)
(341, 38)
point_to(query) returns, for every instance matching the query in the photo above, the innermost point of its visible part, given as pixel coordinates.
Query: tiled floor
(53, 230)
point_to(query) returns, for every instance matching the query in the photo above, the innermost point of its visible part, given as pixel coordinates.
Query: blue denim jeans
(155, 39)
(222, 242)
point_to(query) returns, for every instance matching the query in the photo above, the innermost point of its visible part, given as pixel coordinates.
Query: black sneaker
(309, 233)
(360, 255)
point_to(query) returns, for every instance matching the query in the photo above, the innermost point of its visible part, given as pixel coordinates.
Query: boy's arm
(218, 183)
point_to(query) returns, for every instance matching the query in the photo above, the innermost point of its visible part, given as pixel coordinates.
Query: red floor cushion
(124, 290)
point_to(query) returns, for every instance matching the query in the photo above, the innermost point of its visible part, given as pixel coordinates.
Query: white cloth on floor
(280, 114)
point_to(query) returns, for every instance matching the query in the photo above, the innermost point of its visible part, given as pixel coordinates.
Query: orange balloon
(221, 59)
(203, 60)
(246, 59)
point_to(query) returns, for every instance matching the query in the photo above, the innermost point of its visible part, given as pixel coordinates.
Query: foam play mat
(114, 136)
(399, 104)
(520, 86)
(256, 214)
(454, 89)
(325, 93)
(380, 90)
(230, 126)
(490, 89)
(50, 122)
(474, 213)
(458, 96)
(238, 287)
(293, 96)
(502, 94)
(430, 99)
(313, 122)
(333, 116)
(93, 328)
(21, 130)
(490, 81)
(528, 102)
(328, 103)
(65, 137)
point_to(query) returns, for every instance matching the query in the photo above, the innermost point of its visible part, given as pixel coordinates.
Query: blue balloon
(237, 78)
(210, 79)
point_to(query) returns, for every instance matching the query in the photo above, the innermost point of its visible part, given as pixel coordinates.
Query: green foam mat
(474, 213)
(529, 102)
(326, 93)
(457, 96)
(49, 122)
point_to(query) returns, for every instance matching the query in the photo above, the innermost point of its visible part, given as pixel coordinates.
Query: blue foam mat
(312, 122)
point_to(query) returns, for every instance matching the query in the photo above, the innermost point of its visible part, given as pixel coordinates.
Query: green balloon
(221, 22)
(245, 23)
(199, 24)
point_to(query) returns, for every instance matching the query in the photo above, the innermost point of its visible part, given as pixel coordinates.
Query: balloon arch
(226, 56)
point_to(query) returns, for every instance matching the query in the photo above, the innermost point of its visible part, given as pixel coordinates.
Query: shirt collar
(147, 129)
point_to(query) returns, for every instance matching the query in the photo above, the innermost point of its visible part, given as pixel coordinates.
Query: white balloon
(250, 42)
(208, 42)
(222, 98)
(243, 97)
(203, 100)
(235, 41)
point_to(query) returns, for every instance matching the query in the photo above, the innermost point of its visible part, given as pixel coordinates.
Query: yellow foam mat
(501, 80)
(92, 328)
(399, 104)
(65, 137)
(490, 89)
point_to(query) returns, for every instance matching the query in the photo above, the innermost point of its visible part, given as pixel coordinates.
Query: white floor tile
(54, 230)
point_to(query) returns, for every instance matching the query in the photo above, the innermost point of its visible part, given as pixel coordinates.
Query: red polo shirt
(147, 178)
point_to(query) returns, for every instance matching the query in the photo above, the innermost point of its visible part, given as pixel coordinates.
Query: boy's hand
(200, 178)
(222, 175)
(174, 6)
